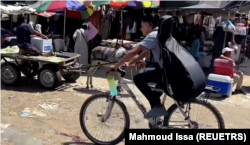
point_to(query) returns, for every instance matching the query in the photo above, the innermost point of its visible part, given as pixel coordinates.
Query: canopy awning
(16, 10)
(45, 14)
(201, 6)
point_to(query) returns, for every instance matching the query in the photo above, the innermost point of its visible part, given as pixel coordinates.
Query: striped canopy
(71, 5)
(128, 3)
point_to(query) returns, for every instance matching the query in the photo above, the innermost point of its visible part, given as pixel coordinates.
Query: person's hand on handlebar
(115, 68)
(127, 64)
(112, 69)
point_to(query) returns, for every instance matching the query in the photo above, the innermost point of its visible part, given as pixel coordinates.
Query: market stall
(76, 7)
(121, 5)
(12, 11)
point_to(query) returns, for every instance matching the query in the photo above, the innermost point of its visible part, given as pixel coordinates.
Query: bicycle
(111, 100)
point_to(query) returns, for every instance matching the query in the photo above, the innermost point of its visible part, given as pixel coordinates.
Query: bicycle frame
(122, 82)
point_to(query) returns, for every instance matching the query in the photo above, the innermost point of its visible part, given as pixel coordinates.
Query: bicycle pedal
(118, 96)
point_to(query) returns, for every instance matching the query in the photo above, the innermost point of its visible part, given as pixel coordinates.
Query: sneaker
(156, 112)
(153, 121)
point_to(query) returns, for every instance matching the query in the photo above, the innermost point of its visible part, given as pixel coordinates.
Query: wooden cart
(48, 69)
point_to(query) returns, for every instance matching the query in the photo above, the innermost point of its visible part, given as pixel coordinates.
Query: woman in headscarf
(81, 43)
(38, 28)
(31, 24)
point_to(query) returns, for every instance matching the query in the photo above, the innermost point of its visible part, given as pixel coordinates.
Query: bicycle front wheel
(198, 111)
(110, 131)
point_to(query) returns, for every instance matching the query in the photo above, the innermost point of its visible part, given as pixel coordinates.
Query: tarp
(38, 4)
(45, 14)
(177, 4)
(201, 6)
(225, 4)
(127, 3)
(245, 8)
(16, 10)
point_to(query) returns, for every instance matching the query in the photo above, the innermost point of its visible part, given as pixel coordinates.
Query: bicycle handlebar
(120, 70)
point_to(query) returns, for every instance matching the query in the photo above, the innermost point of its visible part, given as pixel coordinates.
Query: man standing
(23, 34)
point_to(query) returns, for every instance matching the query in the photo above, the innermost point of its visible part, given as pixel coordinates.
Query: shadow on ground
(32, 85)
(77, 143)
(246, 89)
(215, 97)
(87, 91)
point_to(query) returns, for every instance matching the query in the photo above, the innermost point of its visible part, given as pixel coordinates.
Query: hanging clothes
(209, 23)
(92, 31)
(81, 44)
(197, 19)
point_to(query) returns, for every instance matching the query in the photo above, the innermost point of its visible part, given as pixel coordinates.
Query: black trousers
(150, 76)
(29, 47)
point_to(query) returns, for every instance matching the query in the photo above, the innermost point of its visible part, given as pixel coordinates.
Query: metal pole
(64, 28)
(122, 25)
(224, 44)
(11, 22)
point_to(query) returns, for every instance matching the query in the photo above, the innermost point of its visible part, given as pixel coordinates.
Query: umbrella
(54, 6)
(73, 14)
(58, 6)
(45, 14)
(128, 3)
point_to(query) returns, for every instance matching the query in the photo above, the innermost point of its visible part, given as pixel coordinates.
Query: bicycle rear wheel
(187, 108)
(105, 134)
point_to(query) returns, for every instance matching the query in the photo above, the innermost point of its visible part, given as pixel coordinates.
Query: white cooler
(221, 84)
(44, 45)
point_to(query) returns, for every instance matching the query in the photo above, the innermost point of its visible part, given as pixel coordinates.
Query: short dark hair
(21, 19)
(197, 34)
(152, 19)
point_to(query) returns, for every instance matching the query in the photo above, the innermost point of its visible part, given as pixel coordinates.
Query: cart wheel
(30, 68)
(71, 77)
(10, 74)
(49, 77)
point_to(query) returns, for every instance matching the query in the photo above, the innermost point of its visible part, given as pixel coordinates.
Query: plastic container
(224, 67)
(220, 83)
(112, 85)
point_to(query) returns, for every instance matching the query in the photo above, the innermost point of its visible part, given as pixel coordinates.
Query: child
(195, 46)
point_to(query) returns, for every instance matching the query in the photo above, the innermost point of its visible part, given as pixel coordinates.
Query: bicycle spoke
(111, 128)
(197, 113)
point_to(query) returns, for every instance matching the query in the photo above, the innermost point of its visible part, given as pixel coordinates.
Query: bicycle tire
(82, 121)
(209, 106)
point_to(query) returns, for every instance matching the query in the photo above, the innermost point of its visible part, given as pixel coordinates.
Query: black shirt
(23, 33)
(218, 37)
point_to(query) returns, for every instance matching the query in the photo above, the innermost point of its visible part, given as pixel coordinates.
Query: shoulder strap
(151, 57)
(151, 53)
(83, 36)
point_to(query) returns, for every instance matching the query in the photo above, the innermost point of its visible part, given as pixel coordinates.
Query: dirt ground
(59, 124)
